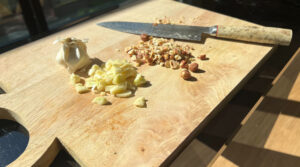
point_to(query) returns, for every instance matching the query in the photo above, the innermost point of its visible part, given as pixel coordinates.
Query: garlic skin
(73, 54)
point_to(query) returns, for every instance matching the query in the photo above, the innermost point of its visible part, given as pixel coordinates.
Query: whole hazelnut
(193, 67)
(185, 74)
(144, 37)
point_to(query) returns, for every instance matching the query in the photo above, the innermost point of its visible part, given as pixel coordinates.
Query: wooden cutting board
(40, 97)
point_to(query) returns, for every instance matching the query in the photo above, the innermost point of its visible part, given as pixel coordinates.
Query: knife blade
(192, 33)
(268, 35)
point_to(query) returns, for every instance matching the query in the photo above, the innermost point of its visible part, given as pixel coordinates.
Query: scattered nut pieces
(159, 51)
(100, 100)
(167, 20)
(140, 102)
(193, 67)
(185, 74)
(144, 37)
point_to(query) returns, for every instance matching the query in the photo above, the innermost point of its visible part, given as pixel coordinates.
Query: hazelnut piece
(202, 57)
(183, 64)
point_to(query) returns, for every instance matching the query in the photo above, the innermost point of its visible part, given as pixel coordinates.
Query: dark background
(23, 21)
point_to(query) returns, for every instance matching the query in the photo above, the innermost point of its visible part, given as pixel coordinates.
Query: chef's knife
(267, 35)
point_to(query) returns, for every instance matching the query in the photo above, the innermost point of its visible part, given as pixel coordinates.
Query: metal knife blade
(191, 33)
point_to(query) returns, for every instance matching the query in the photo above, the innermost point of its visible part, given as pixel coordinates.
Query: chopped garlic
(140, 102)
(93, 69)
(81, 89)
(74, 79)
(100, 100)
(125, 94)
(139, 80)
(117, 77)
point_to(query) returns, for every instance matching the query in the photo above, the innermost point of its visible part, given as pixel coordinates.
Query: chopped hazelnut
(202, 57)
(183, 64)
(150, 61)
(177, 57)
(167, 64)
(166, 56)
(174, 64)
(139, 56)
(172, 57)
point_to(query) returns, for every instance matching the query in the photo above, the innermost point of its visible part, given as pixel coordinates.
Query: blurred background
(23, 21)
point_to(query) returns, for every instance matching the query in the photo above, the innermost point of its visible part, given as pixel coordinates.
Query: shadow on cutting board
(64, 159)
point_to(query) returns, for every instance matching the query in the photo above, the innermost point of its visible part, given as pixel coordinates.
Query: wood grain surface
(270, 136)
(40, 97)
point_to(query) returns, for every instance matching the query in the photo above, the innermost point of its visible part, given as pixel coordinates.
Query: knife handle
(267, 35)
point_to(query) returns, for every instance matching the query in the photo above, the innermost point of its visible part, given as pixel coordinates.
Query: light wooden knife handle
(267, 35)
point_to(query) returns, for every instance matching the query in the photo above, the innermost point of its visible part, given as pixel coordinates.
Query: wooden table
(40, 97)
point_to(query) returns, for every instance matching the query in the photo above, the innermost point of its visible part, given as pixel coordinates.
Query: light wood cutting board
(40, 97)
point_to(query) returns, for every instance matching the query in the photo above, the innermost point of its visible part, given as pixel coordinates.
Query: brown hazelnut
(185, 74)
(193, 67)
(144, 37)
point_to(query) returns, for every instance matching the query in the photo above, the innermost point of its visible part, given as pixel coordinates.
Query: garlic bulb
(73, 54)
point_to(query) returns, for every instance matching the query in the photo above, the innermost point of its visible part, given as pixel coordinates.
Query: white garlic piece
(73, 54)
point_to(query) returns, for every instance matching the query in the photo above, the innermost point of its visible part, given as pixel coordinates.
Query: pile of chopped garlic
(116, 77)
